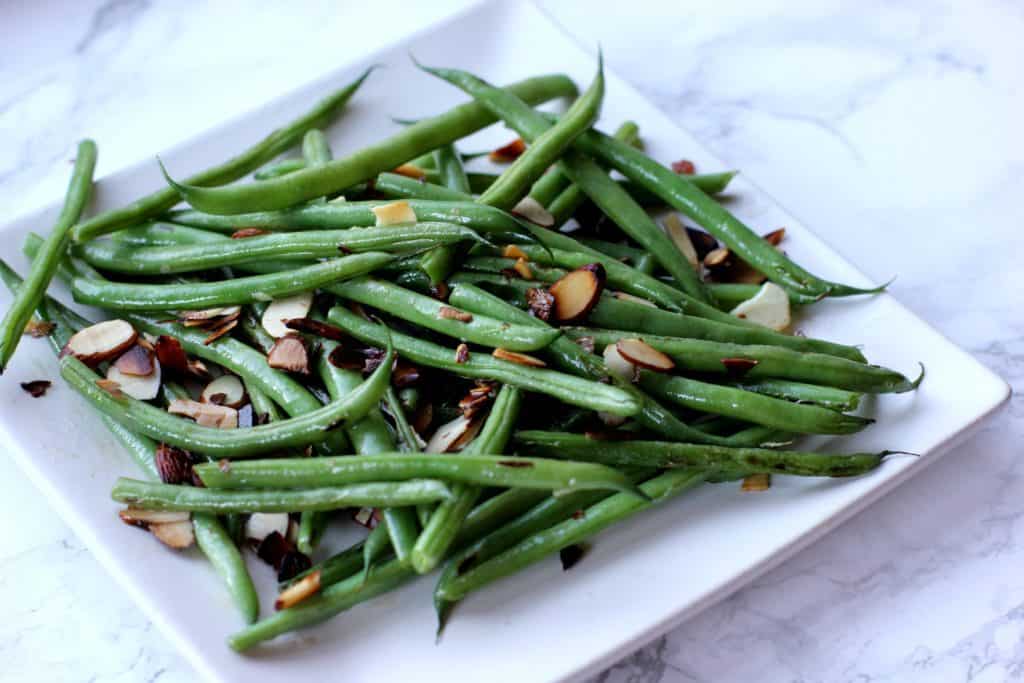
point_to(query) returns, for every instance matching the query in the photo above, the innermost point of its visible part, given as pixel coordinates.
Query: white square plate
(642, 576)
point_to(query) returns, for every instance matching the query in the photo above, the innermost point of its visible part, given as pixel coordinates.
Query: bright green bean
(828, 397)
(279, 169)
(438, 263)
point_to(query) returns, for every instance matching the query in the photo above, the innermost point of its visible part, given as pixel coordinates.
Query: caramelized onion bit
(171, 355)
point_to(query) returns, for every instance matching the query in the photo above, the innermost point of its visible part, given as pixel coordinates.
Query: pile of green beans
(430, 375)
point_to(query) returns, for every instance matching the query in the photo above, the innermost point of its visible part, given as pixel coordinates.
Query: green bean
(336, 567)
(595, 518)
(769, 362)
(162, 235)
(279, 169)
(280, 140)
(437, 263)
(435, 315)
(827, 397)
(313, 244)
(409, 439)
(752, 407)
(591, 178)
(244, 290)
(554, 182)
(729, 295)
(28, 297)
(572, 390)
(311, 427)
(376, 547)
(439, 534)
(152, 496)
(364, 164)
(572, 196)
(469, 468)
(661, 454)
(315, 149)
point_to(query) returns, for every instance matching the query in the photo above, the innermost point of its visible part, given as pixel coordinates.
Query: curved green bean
(279, 169)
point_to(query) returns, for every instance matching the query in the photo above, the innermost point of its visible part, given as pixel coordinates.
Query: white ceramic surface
(560, 648)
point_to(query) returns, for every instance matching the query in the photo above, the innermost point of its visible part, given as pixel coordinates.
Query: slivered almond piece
(394, 213)
(516, 357)
(775, 237)
(769, 307)
(247, 232)
(506, 154)
(462, 353)
(262, 524)
(681, 238)
(523, 268)
(226, 390)
(717, 257)
(624, 296)
(111, 387)
(39, 328)
(220, 330)
(512, 251)
(279, 311)
(617, 365)
(143, 388)
(177, 535)
(205, 414)
(449, 313)
(289, 353)
(171, 355)
(411, 171)
(305, 587)
(533, 211)
(451, 436)
(173, 464)
(200, 317)
(761, 481)
(102, 341)
(577, 292)
(142, 518)
(639, 352)
(136, 361)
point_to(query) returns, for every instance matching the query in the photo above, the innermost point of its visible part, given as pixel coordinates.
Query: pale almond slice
(533, 211)
(624, 296)
(577, 292)
(761, 481)
(394, 213)
(226, 390)
(639, 352)
(289, 354)
(283, 309)
(681, 238)
(451, 436)
(177, 535)
(141, 517)
(516, 357)
(769, 307)
(136, 361)
(262, 524)
(100, 342)
(205, 414)
(617, 365)
(305, 587)
(142, 388)
(201, 317)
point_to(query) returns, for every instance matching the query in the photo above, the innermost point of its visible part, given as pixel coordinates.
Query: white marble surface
(892, 131)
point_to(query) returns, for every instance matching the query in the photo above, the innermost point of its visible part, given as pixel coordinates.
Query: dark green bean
(376, 547)
(438, 263)
(555, 183)
(827, 397)
(162, 235)
(729, 295)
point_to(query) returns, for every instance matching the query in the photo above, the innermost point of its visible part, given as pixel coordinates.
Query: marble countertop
(892, 130)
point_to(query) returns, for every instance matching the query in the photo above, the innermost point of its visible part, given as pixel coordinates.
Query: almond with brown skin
(316, 328)
(703, 242)
(209, 316)
(177, 535)
(305, 587)
(143, 388)
(173, 464)
(229, 390)
(453, 435)
(761, 481)
(247, 232)
(289, 353)
(506, 154)
(205, 414)
(737, 367)
(111, 387)
(577, 292)
(461, 353)
(775, 237)
(142, 518)
(516, 357)
(281, 310)
(171, 355)
(39, 328)
(136, 361)
(449, 313)
(219, 331)
(100, 342)
(640, 353)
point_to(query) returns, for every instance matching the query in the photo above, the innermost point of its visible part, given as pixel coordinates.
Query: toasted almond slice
(305, 587)
(761, 481)
(449, 313)
(775, 237)
(394, 213)
(286, 308)
(462, 353)
(681, 238)
(512, 251)
(523, 268)
(226, 390)
(136, 361)
(39, 328)
(200, 317)
(717, 257)
(142, 388)
(290, 354)
(743, 273)
(625, 296)
(506, 154)
(141, 517)
(364, 517)
(453, 435)
(533, 211)
(639, 352)
(577, 292)
(177, 535)
(411, 171)
(769, 307)
(171, 355)
(100, 342)
(516, 357)
(219, 331)
(111, 387)
(703, 242)
(262, 524)
(205, 414)
(617, 365)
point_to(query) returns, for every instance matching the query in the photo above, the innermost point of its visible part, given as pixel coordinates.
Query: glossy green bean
(439, 262)
(423, 136)
(729, 295)
(154, 234)
(244, 290)
(316, 151)
(376, 547)
(827, 397)
(279, 169)
(280, 140)
(555, 183)
(152, 496)
(595, 518)
(38, 279)
(567, 388)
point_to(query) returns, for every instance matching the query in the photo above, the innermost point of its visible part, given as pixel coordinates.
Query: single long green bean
(280, 140)
(280, 168)
(38, 279)
(828, 397)
(554, 183)
(437, 263)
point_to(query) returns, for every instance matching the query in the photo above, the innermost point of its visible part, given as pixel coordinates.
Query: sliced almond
(305, 587)
(624, 296)
(205, 414)
(100, 342)
(506, 154)
(617, 365)
(638, 352)
(279, 311)
(39, 328)
(142, 388)
(262, 524)
(173, 464)
(533, 211)
(516, 357)
(737, 367)
(111, 387)
(769, 307)
(141, 517)
(289, 354)
(220, 330)
(204, 316)
(451, 436)
(462, 353)
(761, 481)
(136, 361)
(717, 258)
(576, 293)
(226, 390)
(364, 517)
(681, 238)
(177, 535)
(171, 355)
(775, 237)
(411, 171)
(523, 268)
(394, 213)
(703, 242)
(512, 251)
(449, 313)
